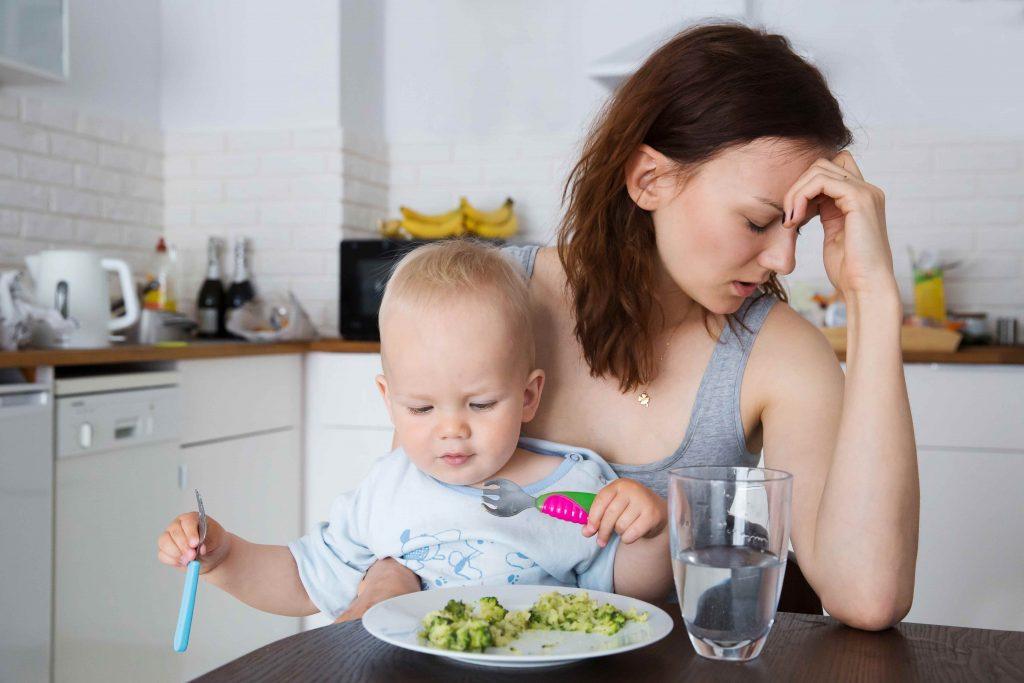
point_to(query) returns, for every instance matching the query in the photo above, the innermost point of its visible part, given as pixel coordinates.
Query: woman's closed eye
(760, 229)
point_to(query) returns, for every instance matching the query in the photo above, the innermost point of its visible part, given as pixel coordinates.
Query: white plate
(398, 621)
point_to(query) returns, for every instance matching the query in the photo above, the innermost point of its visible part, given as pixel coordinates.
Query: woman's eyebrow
(771, 203)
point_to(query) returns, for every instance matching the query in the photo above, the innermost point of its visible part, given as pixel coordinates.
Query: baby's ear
(531, 395)
(382, 387)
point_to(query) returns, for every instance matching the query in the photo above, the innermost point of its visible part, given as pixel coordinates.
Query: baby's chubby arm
(640, 517)
(262, 576)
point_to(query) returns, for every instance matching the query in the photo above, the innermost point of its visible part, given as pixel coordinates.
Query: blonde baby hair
(458, 269)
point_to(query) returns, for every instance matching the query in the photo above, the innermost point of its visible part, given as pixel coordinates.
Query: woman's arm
(851, 448)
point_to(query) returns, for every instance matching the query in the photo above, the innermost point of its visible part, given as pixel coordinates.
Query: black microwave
(366, 265)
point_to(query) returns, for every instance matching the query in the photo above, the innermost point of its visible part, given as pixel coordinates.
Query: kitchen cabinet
(242, 448)
(115, 605)
(228, 397)
(970, 563)
(347, 429)
(970, 434)
(238, 440)
(33, 41)
(250, 485)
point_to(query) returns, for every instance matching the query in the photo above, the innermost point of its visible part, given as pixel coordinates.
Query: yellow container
(929, 294)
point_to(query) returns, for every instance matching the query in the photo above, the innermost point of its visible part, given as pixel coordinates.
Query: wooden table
(799, 648)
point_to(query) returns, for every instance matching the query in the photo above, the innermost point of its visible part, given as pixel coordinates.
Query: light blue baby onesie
(442, 532)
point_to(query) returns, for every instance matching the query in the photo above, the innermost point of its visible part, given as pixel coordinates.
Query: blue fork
(188, 594)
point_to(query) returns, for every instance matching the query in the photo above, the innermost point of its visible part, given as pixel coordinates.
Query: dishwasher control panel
(89, 423)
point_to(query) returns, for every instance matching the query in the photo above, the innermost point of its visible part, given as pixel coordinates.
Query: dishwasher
(26, 528)
(119, 482)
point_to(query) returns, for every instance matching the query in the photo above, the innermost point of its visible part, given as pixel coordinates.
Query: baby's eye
(482, 406)
(420, 410)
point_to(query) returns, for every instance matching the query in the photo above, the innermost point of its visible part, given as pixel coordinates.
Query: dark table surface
(799, 648)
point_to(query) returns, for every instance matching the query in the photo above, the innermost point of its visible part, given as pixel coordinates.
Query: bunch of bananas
(466, 218)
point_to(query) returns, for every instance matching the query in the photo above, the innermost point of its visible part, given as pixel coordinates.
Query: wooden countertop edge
(972, 355)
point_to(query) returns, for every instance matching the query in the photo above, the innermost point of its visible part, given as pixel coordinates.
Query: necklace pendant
(643, 399)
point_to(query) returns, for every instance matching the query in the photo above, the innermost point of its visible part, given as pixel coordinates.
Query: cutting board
(911, 338)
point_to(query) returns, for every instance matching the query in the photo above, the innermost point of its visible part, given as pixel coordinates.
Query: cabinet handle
(182, 477)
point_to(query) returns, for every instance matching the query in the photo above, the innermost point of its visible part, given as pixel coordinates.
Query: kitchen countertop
(134, 353)
(129, 353)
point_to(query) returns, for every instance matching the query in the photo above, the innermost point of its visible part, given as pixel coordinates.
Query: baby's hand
(177, 544)
(630, 509)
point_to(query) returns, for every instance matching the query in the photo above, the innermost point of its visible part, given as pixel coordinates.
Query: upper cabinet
(33, 41)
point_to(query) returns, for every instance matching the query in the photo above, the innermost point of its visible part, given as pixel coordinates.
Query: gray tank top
(715, 433)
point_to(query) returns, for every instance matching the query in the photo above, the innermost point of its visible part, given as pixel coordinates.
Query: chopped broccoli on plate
(456, 627)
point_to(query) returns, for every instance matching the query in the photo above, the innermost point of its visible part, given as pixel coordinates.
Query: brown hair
(709, 88)
(437, 274)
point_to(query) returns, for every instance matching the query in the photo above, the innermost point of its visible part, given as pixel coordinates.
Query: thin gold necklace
(644, 397)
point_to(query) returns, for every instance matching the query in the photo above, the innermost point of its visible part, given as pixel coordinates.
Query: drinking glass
(729, 529)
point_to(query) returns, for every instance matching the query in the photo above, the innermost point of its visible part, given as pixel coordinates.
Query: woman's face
(720, 234)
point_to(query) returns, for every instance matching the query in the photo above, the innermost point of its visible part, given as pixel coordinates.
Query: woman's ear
(531, 396)
(647, 179)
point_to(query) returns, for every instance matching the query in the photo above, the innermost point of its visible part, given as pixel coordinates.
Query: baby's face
(457, 389)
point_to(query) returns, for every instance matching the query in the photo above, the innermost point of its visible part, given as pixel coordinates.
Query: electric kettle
(75, 283)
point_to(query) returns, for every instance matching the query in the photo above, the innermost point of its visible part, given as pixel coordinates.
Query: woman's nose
(780, 254)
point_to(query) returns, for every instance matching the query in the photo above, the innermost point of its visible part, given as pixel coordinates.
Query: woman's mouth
(744, 289)
(456, 459)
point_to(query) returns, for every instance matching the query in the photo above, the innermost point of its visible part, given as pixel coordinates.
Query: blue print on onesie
(445, 548)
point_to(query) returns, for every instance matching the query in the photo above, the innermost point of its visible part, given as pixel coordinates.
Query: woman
(663, 328)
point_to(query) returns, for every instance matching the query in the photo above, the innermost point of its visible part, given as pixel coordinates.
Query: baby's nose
(454, 427)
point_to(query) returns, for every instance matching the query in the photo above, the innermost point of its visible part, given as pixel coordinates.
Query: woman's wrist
(879, 304)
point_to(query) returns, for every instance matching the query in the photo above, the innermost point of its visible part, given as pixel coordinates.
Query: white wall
(249, 64)
(362, 67)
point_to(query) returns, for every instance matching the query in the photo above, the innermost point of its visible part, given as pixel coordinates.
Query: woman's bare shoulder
(548, 277)
(547, 267)
(791, 351)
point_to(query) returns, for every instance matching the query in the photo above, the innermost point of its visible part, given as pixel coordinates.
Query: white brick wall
(71, 178)
(293, 193)
(962, 197)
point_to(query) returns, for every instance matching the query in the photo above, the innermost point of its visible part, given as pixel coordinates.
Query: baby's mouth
(456, 459)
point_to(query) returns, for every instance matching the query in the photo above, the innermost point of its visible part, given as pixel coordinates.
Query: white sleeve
(599, 573)
(333, 558)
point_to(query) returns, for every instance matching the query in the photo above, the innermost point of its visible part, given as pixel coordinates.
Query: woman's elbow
(874, 614)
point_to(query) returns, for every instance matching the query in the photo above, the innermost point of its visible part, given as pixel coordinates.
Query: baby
(459, 382)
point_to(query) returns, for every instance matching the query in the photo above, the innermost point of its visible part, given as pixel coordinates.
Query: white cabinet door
(970, 564)
(252, 487)
(341, 391)
(967, 406)
(115, 605)
(226, 397)
(337, 461)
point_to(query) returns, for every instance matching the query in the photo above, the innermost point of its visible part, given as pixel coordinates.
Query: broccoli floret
(473, 635)
(490, 610)
(456, 608)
